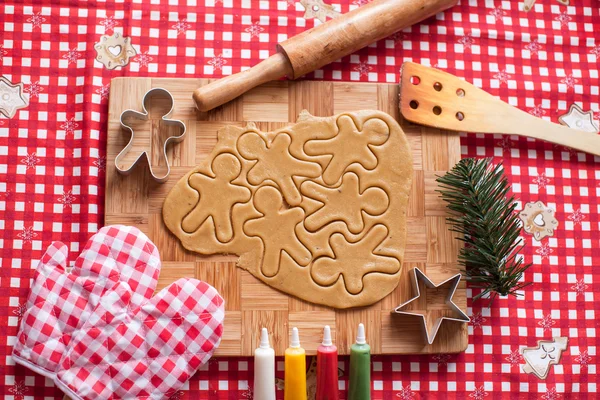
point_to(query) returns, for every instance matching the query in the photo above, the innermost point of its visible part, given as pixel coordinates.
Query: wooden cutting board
(137, 200)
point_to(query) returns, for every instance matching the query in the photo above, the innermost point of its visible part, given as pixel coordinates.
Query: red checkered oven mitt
(146, 352)
(60, 302)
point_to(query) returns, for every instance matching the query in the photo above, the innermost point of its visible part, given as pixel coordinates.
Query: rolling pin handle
(226, 89)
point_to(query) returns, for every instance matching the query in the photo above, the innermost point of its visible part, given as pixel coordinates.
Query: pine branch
(476, 194)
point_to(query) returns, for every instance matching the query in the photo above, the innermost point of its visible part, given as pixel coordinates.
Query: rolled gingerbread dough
(316, 210)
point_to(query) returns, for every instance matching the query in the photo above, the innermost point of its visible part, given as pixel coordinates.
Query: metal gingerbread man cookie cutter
(144, 116)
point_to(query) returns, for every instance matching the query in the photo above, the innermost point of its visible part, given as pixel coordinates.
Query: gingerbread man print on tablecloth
(344, 203)
(218, 195)
(274, 162)
(349, 146)
(277, 230)
(327, 270)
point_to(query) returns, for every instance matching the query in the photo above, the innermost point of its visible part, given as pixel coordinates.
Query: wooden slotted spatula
(435, 98)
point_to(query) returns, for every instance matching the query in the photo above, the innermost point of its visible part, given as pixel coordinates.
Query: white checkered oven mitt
(126, 351)
(60, 302)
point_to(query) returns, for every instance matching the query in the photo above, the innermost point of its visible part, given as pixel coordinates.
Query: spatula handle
(587, 142)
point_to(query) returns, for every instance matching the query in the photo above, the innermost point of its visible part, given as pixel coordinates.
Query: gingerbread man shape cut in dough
(277, 230)
(218, 195)
(344, 203)
(349, 146)
(355, 256)
(326, 270)
(275, 162)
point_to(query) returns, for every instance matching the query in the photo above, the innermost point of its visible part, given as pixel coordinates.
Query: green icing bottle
(360, 368)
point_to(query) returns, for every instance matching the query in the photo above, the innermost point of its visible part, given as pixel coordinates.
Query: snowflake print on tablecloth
(537, 111)
(109, 23)
(502, 76)
(291, 3)
(577, 216)
(547, 322)
(177, 395)
(36, 20)
(248, 395)
(72, 55)
(569, 80)
(579, 287)
(363, 68)
(34, 89)
(441, 359)
(361, 2)
(498, 13)
(477, 320)
(397, 37)
(550, 394)
(406, 393)
(104, 91)
(583, 359)
(479, 393)
(181, 26)
(27, 234)
(19, 390)
(67, 199)
(594, 50)
(143, 59)
(506, 143)
(100, 163)
(544, 250)
(30, 161)
(467, 41)
(563, 18)
(541, 181)
(3, 52)
(20, 310)
(255, 29)
(534, 47)
(514, 358)
(217, 62)
(571, 152)
(69, 126)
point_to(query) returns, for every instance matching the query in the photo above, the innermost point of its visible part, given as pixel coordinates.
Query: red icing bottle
(327, 369)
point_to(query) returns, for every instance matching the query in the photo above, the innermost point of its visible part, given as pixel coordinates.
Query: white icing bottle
(264, 369)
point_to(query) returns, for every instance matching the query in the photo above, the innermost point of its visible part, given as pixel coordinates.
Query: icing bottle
(295, 370)
(264, 369)
(327, 368)
(360, 368)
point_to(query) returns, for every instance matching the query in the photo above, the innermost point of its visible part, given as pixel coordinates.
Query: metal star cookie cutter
(416, 276)
(11, 97)
(144, 115)
(113, 59)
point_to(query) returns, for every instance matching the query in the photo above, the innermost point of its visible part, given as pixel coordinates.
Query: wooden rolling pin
(322, 45)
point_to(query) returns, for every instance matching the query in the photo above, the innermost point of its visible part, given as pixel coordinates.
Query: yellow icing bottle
(295, 369)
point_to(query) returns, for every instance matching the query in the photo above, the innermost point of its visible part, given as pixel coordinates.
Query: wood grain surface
(438, 99)
(137, 200)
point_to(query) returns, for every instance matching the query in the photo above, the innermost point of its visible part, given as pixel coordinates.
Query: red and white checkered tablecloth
(53, 161)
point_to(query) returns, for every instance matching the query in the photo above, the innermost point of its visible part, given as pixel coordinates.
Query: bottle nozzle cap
(360, 336)
(327, 336)
(295, 343)
(264, 339)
